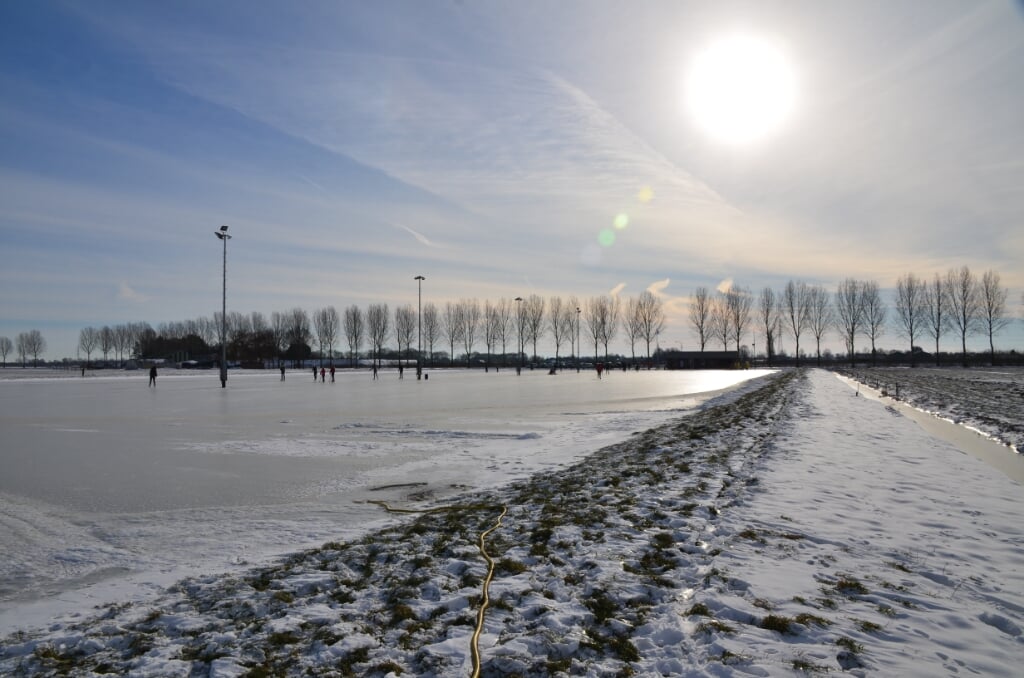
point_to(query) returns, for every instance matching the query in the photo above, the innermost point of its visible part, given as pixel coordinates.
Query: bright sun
(740, 89)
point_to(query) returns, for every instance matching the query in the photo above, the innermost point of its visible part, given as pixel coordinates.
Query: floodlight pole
(419, 325)
(224, 237)
(519, 323)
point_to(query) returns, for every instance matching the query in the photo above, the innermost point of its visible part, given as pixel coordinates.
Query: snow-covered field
(989, 400)
(792, 527)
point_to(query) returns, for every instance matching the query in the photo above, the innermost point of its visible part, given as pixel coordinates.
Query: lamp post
(419, 325)
(578, 347)
(224, 237)
(519, 324)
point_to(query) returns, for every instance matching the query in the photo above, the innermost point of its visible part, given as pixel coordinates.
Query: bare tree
(21, 344)
(652, 319)
(106, 340)
(936, 303)
(451, 322)
(405, 328)
(377, 325)
(794, 309)
(431, 323)
(279, 327)
(993, 308)
(964, 305)
(911, 312)
(88, 339)
(771, 323)
(5, 347)
(719, 324)
(491, 334)
(299, 332)
(820, 315)
(574, 310)
(560, 323)
(325, 323)
(700, 315)
(470, 316)
(850, 314)
(33, 344)
(610, 327)
(595, 313)
(631, 324)
(875, 314)
(534, 320)
(738, 301)
(123, 340)
(355, 331)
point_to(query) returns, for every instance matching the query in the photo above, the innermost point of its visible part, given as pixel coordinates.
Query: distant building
(700, 360)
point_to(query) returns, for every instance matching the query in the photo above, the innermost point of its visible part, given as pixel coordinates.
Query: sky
(499, 149)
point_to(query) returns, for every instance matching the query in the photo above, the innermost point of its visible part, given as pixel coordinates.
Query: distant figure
(323, 376)
(152, 376)
(83, 370)
(314, 372)
(600, 369)
(282, 371)
(375, 372)
(401, 372)
(332, 374)
(519, 370)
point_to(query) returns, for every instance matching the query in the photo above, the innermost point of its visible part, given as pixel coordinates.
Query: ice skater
(282, 371)
(152, 376)
(323, 376)
(332, 374)
(314, 373)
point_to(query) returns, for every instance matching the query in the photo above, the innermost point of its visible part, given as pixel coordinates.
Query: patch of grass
(886, 610)
(286, 597)
(867, 626)
(763, 604)
(601, 606)
(777, 623)
(751, 535)
(401, 613)
(849, 586)
(808, 619)
(698, 610)
(896, 565)
(715, 625)
(509, 566)
(850, 645)
(282, 638)
(807, 666)
(386, 667)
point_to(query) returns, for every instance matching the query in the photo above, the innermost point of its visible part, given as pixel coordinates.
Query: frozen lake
(110, 488)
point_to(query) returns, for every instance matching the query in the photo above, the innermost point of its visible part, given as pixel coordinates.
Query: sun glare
(740, 89)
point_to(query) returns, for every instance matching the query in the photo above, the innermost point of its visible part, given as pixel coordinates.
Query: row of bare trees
(957, 302)
(462, 325)
(31, 343)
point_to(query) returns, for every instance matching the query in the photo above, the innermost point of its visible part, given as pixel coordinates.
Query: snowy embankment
(990, 401)
(795, 527)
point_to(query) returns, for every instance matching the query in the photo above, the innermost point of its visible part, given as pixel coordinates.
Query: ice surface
(110, 486)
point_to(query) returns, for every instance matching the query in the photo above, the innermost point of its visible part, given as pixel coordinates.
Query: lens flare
(621, 221)
(606, 237)
(646, 194)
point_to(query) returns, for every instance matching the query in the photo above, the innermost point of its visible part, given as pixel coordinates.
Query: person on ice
(152, 376)
(323, 375)
(332, 374)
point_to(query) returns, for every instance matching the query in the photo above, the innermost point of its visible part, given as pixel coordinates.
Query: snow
(792, 525)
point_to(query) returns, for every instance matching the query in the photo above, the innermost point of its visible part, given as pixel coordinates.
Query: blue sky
(352, 146)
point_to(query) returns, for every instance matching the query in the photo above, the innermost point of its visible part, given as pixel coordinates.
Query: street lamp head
(223, 229)
(519, 298)
(419, 277)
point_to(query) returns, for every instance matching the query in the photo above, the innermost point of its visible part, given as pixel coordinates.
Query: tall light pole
(419, 325)
(578, 347)
(224, 237)
(519, 324)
